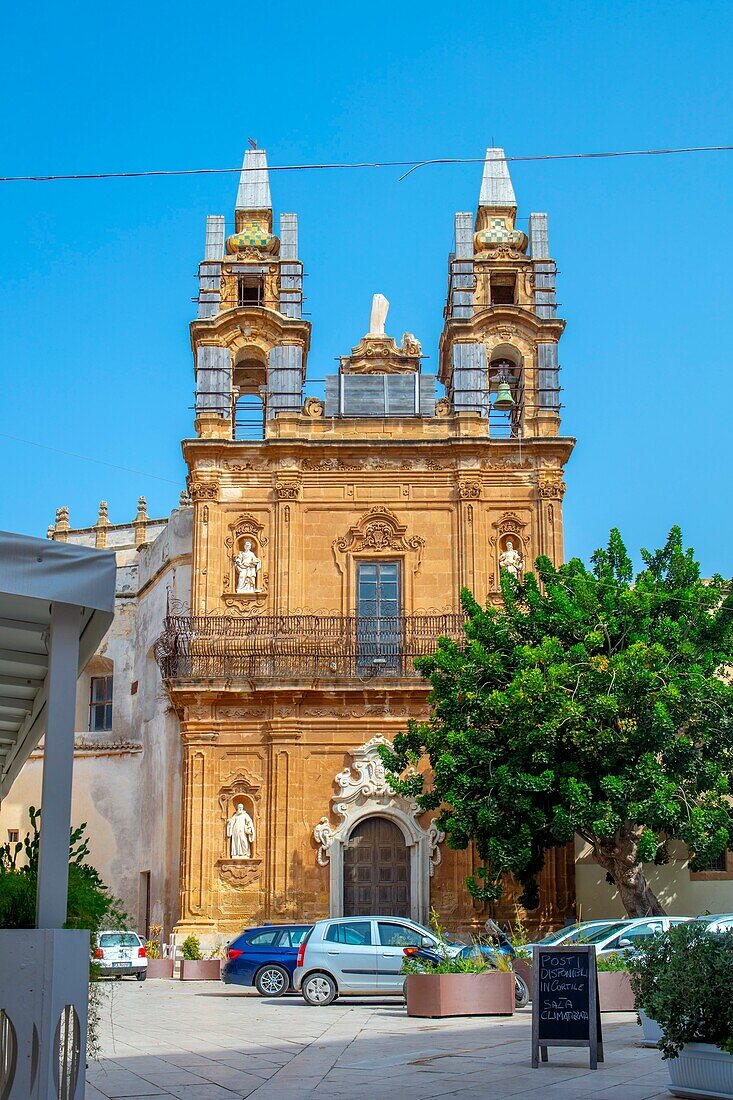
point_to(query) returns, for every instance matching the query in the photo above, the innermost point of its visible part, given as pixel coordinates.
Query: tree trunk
(619, 858)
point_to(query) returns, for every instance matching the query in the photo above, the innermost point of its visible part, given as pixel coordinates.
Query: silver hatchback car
(356, 956)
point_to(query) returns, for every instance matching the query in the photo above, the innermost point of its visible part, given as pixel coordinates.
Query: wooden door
(377, 871)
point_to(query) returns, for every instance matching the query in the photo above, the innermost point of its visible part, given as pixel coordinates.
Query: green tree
(593, 702)
(90, 904)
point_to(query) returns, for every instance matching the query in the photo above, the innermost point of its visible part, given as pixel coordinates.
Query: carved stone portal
(363, 791)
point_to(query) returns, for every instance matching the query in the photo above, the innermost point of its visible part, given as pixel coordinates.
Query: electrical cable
(88, 458)
(411, 165)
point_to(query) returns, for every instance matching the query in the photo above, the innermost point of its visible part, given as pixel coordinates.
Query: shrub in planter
(614, 988)
(194, 967)
(458, 985)
(683, 979)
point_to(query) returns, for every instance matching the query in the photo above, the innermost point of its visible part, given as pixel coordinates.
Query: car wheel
(319, 989)
(521, 992)
(142, 975)
(272, 981)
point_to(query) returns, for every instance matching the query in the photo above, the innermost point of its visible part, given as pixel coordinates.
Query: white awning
(34, 575)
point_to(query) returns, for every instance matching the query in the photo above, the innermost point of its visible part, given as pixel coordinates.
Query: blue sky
(98, 277)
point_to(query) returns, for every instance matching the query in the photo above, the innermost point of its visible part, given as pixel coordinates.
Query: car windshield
(554, 937)
(118, 939)
(595, 935)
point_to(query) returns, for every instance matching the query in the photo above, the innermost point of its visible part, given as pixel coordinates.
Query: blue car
(264, 957)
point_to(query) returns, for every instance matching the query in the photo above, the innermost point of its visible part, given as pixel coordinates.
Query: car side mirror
(625, 942)
(427, 942)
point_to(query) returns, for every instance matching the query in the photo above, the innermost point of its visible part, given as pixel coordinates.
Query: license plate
(119, 964)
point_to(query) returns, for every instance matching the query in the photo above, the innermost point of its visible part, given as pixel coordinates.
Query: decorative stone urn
(614, 991)
(488, 994)
(701, 1070)
(200, 970)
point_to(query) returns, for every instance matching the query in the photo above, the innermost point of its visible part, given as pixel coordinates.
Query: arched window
(249, 380)
(506, 393)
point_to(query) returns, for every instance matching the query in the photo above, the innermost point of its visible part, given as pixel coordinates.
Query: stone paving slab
(204, 1041)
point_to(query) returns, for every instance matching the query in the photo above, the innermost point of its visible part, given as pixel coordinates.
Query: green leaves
(592, 702)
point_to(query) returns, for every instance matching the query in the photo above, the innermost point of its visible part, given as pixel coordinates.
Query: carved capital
(469, 490)
(202, 490)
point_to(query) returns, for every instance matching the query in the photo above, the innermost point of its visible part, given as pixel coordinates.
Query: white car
(625, 935)
(572, 933)
(717, 922)
(119, 953)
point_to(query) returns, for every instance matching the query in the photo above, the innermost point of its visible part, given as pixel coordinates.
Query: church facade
(332, 551)
(227, 753)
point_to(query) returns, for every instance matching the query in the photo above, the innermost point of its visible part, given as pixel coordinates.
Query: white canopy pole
(58, 763)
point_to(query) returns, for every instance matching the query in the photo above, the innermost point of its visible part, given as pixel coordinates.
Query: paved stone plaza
(203, 1041)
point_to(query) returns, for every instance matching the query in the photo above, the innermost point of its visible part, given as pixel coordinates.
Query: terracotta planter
(614, 991)
(489, 994)
(701, 1070)
(160, 968)
(200, 970)
(523, 967)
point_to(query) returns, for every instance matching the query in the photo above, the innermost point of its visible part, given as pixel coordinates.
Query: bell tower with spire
(498, 350)
(249, 340)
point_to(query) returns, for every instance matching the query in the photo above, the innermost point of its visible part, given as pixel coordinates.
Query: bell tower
(498, 349)
(249, 341)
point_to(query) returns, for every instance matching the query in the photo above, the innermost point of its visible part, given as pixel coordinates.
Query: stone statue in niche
(511, 560)
(246, 564)
(380, 306)
(241, 833)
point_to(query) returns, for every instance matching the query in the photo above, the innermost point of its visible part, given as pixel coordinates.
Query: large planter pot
(650, 1029)
(160, 968)
(523, 967)
(701, 1071)
(488, 994)
(614, 991)
(200, 970)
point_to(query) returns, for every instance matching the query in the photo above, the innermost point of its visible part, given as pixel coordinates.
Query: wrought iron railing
(299, 647)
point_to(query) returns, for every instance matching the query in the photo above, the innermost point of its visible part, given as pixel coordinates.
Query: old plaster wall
(165, 573)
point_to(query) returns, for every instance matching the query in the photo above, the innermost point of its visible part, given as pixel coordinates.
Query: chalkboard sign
(565, 1010)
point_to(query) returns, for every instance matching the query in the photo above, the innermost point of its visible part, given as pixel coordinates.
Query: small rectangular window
(13, 836)
(251, 290)
(719, 863)
(100, 704)
(503, 288)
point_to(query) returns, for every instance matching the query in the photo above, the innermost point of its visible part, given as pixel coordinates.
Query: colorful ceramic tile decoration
(499, 233)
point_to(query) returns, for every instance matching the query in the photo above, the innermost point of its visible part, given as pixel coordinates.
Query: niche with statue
(246, 547)
(511, 546)
(239, 864)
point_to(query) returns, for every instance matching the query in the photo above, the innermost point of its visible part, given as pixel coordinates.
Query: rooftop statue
(380, 307)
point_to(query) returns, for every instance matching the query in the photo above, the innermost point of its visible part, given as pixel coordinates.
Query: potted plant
(614, 988)
(455, 985)
(158, 967)
(194, 967)
(683, 980)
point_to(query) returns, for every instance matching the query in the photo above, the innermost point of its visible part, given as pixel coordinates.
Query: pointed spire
(254, 182)
(496, 184)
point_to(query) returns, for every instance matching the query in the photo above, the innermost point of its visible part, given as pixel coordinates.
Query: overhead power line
(88, 458)
(411, 165)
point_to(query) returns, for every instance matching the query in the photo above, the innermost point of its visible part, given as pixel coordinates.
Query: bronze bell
(504, 400)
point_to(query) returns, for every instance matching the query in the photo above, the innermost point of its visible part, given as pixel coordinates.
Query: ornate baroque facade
(264, 641)
(330, 552)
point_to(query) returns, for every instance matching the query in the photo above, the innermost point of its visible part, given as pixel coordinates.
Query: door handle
(332, 952)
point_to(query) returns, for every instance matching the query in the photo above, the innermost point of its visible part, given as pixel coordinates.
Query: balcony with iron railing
(303, 647)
